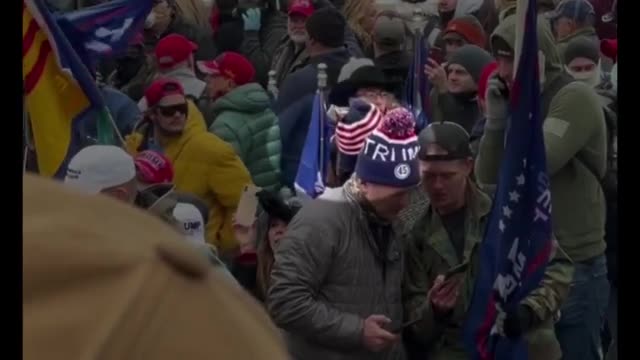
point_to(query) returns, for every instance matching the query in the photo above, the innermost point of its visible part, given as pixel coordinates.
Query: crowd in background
(202, 118)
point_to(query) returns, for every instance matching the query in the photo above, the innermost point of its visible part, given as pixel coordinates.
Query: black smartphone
(505, 88)
(398, 329)
(458, 269)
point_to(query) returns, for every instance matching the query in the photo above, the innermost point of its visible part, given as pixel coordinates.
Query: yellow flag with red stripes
(58, 89)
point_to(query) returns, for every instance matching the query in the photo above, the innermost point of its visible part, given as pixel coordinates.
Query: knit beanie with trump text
(389, 155)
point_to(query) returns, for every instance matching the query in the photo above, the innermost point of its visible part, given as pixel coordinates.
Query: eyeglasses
(173, 109)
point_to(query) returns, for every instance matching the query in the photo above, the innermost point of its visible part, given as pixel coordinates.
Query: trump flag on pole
(105, 30)
(518, 240)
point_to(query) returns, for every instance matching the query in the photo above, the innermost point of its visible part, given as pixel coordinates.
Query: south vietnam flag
(58, 90)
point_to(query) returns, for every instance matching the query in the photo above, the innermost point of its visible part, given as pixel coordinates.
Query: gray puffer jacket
(330, 274)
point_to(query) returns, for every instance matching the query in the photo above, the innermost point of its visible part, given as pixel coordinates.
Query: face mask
(591, 78)
(150, 20)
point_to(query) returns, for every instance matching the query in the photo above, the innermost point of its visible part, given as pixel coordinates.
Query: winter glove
(519, 321)
(497, 103)
(252, 19)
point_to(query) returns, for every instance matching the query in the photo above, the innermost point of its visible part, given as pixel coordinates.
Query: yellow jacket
(207, 167)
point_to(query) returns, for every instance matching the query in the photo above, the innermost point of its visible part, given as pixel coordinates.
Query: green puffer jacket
(429, 253)
(244, 119)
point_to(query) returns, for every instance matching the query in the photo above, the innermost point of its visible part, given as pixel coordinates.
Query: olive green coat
(430, 253)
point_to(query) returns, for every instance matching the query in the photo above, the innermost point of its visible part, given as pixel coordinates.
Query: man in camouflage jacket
(449, 233)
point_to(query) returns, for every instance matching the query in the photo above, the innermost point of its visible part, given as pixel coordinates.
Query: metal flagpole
(322, 86)
(418, 23)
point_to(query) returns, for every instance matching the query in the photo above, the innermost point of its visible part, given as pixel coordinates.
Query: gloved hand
(497, 103)
(519, 321)
(252, 19)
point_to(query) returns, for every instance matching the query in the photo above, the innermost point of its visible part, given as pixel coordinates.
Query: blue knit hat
(389, 156)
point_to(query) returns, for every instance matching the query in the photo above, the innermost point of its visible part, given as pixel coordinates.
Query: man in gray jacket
(335, 285)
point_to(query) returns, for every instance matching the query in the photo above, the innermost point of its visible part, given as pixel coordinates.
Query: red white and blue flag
(518, 240)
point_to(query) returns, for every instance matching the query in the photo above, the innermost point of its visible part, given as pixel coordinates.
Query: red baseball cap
(173, 49)
(609, 48)
(230, 65)
(162, 91)
(153, 167)
(301, 7)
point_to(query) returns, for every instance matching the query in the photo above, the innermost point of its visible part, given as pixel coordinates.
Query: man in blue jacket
(326, 44)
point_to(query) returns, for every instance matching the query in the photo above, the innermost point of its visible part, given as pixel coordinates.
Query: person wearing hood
(572, 19)
(335, 285)
(243, 117)
(575, 141)
(174, 56)
(582, 61)
(390, 56)
(258, 242)
(454, 97)
(264, 26)
(508, 7)
(204, 165)
(325, 45)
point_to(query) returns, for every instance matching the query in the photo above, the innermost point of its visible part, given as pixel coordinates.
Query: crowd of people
(216, 97)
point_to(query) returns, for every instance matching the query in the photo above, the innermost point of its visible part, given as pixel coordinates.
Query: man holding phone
(443, 257)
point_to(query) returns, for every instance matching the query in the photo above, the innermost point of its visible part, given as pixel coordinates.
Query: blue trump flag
(518, 241)
(416, 89)
(312, 170)
(104, 30)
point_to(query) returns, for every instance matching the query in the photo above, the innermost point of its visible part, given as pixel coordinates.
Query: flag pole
(418, 21)
(322, 87)
(272, 86)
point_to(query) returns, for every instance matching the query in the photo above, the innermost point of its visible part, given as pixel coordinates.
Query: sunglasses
(173, 109)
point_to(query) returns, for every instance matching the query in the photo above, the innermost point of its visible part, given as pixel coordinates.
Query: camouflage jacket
(429, 253)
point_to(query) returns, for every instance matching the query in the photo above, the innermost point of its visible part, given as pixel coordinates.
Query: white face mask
(150, 20)
(591, 78)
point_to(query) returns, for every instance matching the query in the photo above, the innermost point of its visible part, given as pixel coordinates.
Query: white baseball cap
(192, 223)
(99, 167)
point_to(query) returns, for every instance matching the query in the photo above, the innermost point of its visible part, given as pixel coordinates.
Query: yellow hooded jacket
(207, 167)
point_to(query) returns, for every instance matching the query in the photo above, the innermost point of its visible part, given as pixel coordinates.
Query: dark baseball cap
(578, 10)
(389, 30)
(449, 136)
